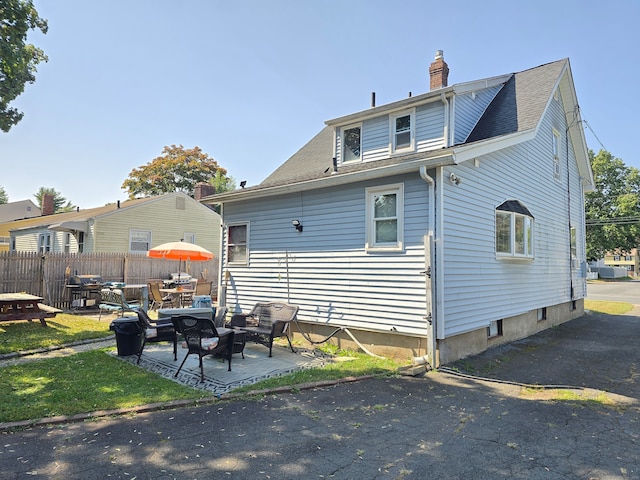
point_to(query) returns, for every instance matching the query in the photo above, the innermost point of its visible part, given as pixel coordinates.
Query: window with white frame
(189, 237)
(44, 242)
(238, 243)
(514, 230)
(67, 242)
(139, 240)
(403, 127)
(494, 329)
(351, 144)
(384, 217)
(555, 147)
(80, 238)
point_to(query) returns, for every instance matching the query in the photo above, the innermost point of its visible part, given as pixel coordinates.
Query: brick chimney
(438, 72)
(203, 190)
(47, 204)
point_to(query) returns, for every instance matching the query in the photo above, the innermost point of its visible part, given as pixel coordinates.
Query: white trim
(393, 134)
(227, 243)
(370, 231)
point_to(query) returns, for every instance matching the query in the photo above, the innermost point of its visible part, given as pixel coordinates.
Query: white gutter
(332, 180)
(430, 237)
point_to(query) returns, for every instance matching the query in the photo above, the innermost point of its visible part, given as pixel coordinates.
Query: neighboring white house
(15, 211)
(133, 226)
(438, 225)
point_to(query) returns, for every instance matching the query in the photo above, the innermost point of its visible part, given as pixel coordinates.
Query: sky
(251, 81)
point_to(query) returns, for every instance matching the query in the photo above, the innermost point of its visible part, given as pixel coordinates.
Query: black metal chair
(201, 337)
(156, 331)
(267, 321)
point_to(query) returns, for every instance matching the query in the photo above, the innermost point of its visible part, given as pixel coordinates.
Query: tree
(4, 198)
(177, 170)
(18, 59)
(58, 200)
(613, 209)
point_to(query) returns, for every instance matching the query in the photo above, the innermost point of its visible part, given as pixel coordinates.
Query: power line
(594, 134)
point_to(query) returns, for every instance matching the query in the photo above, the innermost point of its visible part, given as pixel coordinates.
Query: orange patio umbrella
(180, 251)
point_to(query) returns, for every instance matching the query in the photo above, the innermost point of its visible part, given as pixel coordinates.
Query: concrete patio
(256, 365)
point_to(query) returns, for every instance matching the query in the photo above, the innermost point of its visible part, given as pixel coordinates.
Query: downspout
(432, 315)
(445, 133)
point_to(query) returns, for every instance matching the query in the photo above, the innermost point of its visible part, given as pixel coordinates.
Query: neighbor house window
(80, 242)
(555, 146)
(351, 144)
(514, 231)
(189, 237)
(402, 126)
(44, 242)
(67, 242)
(139, 240)
(237, 243)
(384, 217)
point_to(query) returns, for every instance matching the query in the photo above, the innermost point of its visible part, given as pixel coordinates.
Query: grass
(80, 383)
(610, 308)
(94, 380)
(348, 364)
(63, 329)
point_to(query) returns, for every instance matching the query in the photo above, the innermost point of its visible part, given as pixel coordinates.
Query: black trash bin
(128, 335)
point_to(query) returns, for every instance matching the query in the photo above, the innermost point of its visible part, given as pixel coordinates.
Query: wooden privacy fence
(47, 274)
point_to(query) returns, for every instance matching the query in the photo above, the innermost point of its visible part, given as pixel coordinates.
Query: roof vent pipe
(373, 99)
(118, 203)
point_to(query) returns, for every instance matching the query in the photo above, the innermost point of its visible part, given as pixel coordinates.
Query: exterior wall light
(296, 223)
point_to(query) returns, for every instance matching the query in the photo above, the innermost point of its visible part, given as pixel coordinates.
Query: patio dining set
(204, 331)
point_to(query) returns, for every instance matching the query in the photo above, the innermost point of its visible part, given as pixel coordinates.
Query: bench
(113, 301)
(23, 306)
(265, 322)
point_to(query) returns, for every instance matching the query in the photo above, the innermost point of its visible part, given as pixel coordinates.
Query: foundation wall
(406, 348)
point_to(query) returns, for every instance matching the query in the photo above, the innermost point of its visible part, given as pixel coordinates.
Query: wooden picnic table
(24, 306)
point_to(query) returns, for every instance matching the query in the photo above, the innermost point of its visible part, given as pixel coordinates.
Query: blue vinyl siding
(480, 288)
(469, 107)
(325, 269)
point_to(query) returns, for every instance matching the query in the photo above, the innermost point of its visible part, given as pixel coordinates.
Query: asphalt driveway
(484, 425)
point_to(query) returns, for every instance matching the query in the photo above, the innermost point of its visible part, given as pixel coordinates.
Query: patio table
(24, 306)
(178, 293)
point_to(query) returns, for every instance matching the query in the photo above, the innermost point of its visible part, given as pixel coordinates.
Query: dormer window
(402, 126)
(351, 141)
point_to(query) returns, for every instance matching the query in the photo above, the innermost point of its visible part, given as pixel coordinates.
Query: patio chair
(267, 321)
(203, 288)
(157, 299)
(201, 337)
(156, 331)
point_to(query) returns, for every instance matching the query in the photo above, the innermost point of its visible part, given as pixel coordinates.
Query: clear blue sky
(251, 81)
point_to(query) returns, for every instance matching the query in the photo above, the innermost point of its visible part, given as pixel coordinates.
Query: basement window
(494, 329)
(542, 314)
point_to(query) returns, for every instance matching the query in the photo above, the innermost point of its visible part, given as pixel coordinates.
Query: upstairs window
(555, 147)
(237, 243)
(402, 126)
(514, 230)
(351, 144)
(384, 219)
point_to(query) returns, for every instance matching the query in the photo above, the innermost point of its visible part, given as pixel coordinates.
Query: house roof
(18, 210)
(520, 103)
(78, 220)
(513, 116)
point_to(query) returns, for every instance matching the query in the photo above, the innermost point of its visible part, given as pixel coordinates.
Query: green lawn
(62, 329)
(80, 383)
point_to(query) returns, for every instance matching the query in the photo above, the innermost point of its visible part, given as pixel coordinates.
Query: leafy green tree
(59, 205)
(177, 170)
(18, 59)
(613, 209)
(4, 198)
